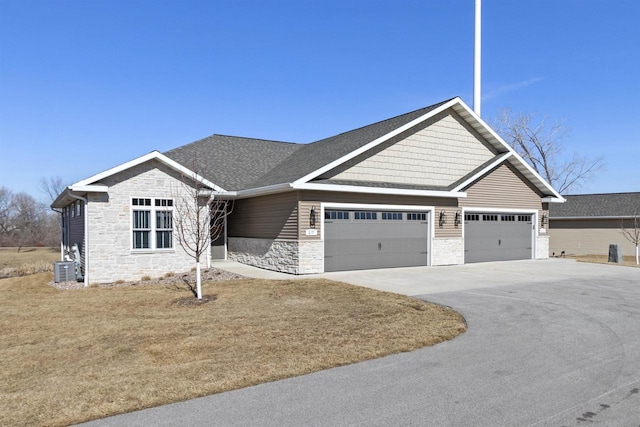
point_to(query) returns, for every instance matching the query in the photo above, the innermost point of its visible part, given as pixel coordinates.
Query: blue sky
(88, 84)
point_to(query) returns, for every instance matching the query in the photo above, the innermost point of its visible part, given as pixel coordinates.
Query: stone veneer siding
(311, 256)
(111, 257)
(270, 254)
(447, 251)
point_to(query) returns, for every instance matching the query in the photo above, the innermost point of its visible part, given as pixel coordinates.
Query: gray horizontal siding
(266, 217)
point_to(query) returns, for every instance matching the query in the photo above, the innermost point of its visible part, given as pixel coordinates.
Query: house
(435, 186)
(588, 223)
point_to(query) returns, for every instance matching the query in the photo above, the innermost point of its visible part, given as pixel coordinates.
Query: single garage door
(357, 240)
(497, 237)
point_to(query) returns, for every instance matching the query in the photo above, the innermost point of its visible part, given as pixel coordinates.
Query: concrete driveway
(550, 343)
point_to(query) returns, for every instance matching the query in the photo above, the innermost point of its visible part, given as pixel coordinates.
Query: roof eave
(501, 145)
(154, 155)
(556, 218)
(378, 190)
(66, 197)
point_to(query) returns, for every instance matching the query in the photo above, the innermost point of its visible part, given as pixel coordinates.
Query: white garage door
(364, 239)
(497, 237)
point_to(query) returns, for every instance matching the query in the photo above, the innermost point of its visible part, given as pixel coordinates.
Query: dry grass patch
(27, 261)
(629, 261)
(72, 356)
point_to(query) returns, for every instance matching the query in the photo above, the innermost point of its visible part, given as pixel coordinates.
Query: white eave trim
(260, 191)
(484, 171)
(377, 190)
(553, 199)
(154, 155)
(377, 141)
(96, 188)
(485, 130)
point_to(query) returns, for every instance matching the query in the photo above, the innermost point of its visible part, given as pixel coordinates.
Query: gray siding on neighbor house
(587, 237)
(266, 217)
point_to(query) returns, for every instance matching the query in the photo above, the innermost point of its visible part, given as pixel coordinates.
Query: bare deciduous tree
(199, 220)
(51, 187)
(632, 233)
(541, 145)
(26, 222)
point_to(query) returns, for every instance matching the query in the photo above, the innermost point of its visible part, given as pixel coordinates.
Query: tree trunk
(637, 260)
(198, 280)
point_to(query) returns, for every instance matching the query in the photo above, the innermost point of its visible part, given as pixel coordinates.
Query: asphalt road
(548, 344)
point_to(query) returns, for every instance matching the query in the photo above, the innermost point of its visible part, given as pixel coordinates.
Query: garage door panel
(497, 237)
(352, 244)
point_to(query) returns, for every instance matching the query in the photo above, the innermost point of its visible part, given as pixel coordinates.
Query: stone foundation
(287, 256)
(542, 247)
(447, 251)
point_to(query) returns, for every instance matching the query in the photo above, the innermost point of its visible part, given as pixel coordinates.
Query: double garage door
(497, 237)
(364, 239)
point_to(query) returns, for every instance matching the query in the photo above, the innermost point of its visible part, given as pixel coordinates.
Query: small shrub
(119, 282)
(169, 274)
(145, 278)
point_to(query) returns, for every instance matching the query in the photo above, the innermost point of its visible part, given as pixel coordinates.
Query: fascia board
(76, 190)
(483, 171)
(57, 203)
(483, 128)
(154, 155)
(376, 142)
(536, 175)
(259, 191)
(378, 190)
(89, 188)
(553, 200)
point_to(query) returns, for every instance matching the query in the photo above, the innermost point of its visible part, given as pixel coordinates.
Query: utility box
(615, 253)
(64, 271)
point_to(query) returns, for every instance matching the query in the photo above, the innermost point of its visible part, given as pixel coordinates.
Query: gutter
(281, 188)
(86, 237)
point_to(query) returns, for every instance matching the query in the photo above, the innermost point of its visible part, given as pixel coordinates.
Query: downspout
(61, 233)
(86, 237)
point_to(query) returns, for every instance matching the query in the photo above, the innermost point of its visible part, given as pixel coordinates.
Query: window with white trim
(152, 223)
(164, 224)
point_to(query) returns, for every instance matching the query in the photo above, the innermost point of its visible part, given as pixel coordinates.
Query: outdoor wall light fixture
(544, 219)
(443, 218)
(312, 217)
(458, 219)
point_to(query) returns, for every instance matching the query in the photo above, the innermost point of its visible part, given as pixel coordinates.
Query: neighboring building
(587, 224)
(435, 186)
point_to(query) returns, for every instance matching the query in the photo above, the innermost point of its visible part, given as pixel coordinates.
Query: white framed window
(151, 224)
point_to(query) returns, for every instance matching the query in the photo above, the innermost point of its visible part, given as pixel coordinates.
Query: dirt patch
(191, 301)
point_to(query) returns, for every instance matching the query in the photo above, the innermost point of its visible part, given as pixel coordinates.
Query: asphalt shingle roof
(236, 163)
(232, 162)
(597, 205)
